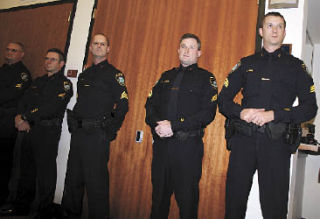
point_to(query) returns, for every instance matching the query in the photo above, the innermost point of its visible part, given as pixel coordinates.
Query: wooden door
(39, 29)
(144, 37)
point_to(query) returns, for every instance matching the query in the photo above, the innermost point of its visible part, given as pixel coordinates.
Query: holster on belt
(74, 122)
(243, 127)
(229, 131)
(293, 136)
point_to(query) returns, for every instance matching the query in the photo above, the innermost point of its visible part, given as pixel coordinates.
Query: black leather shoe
(11, 210)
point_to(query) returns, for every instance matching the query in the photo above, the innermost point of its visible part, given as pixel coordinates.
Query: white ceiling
(313, 23)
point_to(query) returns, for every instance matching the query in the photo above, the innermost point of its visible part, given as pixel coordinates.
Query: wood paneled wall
(144, 37)
(39, 29)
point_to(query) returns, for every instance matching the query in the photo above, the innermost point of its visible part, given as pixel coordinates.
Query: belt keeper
(79, 123)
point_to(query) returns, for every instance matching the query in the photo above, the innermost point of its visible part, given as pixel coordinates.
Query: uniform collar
(58, 74)
(12, 65)
(101, 64)
(276, 54)
(188, 68)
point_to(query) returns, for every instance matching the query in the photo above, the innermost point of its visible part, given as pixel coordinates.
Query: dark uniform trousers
(87, 169)
(45, 141)
(176, 168)
(37, 168)
(23, 175)
(6, 152)
(272, 161)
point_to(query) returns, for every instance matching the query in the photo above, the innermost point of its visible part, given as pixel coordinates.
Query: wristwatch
(23, 117)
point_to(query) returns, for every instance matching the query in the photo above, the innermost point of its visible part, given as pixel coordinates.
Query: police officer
(40, 114)
(270, 81)
(14, 80)
(179, 107)
(102, 103)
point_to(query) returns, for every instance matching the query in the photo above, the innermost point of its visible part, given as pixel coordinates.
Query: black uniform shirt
(47, 98)
(14, 80)
(102, 92)
(271, 81)
(196, 99)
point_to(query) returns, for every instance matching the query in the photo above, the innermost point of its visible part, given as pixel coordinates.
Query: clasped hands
(257, 116)
(20, 124)
(163, 129)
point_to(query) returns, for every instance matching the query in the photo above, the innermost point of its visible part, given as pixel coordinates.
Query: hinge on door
(93, 13)
(69, 17)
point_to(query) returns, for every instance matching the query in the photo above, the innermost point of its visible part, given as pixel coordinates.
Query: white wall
(311, 191)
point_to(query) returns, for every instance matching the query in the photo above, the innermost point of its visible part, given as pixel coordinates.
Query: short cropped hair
(19, 44)
(62, 57)
(102, 34)
(193, 36)
(273, 13)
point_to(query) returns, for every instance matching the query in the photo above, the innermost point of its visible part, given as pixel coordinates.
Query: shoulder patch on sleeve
(24, 76)
(120, 78)
(235, 67)
(213, 82)
(305, 69)
(66, 85)
(226, 83)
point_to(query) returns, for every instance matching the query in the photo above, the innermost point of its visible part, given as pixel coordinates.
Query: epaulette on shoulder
(204, 71)
(250, 58)
(292, 59)
(170, 70)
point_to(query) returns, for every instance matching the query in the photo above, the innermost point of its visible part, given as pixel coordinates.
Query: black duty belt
(51, 122)
(74, 122)
(249, 129)
(289, 133)
(183, 135)
(90, 123)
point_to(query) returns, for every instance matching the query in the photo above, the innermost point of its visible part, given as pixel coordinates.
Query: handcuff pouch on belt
(290, 132)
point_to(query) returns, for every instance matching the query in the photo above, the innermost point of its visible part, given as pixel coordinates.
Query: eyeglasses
(12, 50)
(50, 59)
